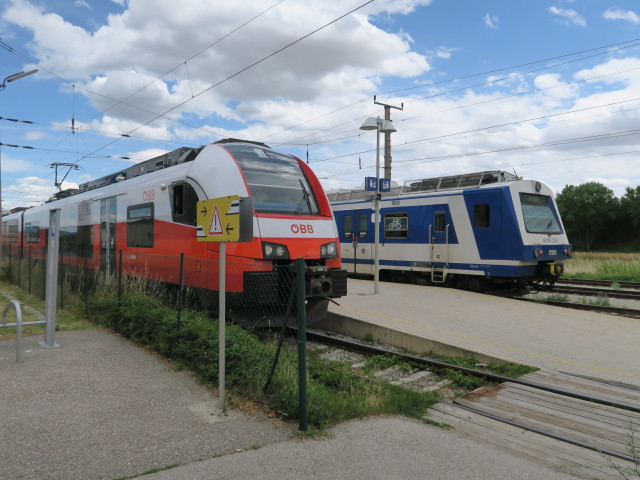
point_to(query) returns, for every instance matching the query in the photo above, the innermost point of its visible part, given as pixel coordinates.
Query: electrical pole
(387, 136)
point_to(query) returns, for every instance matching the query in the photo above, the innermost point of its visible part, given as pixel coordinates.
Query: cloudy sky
(549, 89)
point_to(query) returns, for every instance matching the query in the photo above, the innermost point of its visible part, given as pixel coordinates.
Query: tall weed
(604, 266)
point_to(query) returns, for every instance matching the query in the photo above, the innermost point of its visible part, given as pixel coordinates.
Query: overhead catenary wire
(439, 158)
(515, 122)
(122, 101)
(248, 67)
(239, 72)
(483, 73)
(608, 51)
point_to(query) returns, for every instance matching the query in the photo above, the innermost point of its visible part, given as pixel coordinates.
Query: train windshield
(275, 181)
(538, 212)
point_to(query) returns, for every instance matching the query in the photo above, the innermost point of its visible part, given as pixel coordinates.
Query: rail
(18, 324)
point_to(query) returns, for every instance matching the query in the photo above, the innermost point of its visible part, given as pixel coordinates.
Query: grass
(621, 267)
(633, 471)
(334, 392)
(66, 320)
(600, 301)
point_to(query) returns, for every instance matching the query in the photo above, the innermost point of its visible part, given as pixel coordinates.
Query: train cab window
(481, 215)
(396, 225)
(363, 225)
(140, 227)
(539, 215)
(439, 220)
(31, 232)
(184, 200)
(275, 180)
(348, 226)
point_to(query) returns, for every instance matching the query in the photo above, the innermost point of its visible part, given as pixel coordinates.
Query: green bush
(333, 395)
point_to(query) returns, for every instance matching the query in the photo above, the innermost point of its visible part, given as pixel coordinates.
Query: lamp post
(381, 126)
(9, 79)
(16, 76)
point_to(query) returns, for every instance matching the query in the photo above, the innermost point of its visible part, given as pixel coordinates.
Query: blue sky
(548, 89)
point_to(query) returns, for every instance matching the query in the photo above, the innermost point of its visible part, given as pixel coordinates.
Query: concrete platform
(99, 407)
(450, 321)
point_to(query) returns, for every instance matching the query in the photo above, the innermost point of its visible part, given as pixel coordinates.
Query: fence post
(30, 267)
(61, 278)
(302, 348)
(120, 276)
(45, 261)
(181, 285)
(19, 269)
(85, 288)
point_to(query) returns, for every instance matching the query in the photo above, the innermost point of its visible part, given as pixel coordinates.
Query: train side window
(184, 201)
(348, 226)
(481, 215)
(363, 225)
(85, 241)
(31, 232)
(11, 231)
(140, 227)
(76, 241)
(396, 225)
(439, 221)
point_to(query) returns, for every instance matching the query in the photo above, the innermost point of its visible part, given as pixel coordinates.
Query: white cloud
(491, 21)
(444, 52)
(32, 191)
(618, 14)
(569, 16)
(34, 135)
(158, 39)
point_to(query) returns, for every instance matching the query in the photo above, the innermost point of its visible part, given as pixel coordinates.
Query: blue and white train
(478, 231)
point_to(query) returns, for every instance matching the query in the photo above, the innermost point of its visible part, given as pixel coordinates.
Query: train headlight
(567, 252)
(537, 252)
(275, 251)
(329, 250)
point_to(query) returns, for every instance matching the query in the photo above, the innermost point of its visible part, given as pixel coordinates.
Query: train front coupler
(324, 282)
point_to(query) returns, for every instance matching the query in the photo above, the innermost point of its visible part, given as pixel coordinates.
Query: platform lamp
(381, 126)
(9, 79)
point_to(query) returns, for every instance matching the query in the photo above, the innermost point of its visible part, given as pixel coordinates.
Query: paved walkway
(99, 407)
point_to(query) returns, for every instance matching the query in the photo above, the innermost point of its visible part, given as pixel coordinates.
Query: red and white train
(142, 218)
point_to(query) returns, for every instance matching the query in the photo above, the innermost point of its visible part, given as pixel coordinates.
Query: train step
(438, 275)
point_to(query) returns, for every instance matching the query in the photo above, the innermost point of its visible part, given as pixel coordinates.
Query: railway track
(621, 311)
(598, 283)
(581, 424)
(595, 291)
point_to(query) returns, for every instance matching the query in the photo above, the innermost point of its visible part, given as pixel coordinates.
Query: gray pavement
(99, 407)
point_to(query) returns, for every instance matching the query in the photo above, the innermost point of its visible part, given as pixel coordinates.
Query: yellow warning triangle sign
(216, 226)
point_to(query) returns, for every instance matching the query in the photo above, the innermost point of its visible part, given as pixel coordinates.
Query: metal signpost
(52, 280)
(222, 220)
(374, 184)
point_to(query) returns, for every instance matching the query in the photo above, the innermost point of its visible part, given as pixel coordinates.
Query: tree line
(595, 219)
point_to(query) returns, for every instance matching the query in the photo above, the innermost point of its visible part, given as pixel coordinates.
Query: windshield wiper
(305, 198)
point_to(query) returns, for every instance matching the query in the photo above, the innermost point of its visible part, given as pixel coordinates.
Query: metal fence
(256, 294)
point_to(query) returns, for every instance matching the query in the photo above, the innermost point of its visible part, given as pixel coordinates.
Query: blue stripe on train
(487, 270)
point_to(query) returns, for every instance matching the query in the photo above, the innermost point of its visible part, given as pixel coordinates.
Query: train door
(108, 234)
(357, 246)
(439, 237)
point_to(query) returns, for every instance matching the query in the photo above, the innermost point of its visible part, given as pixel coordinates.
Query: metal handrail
(19, 324)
